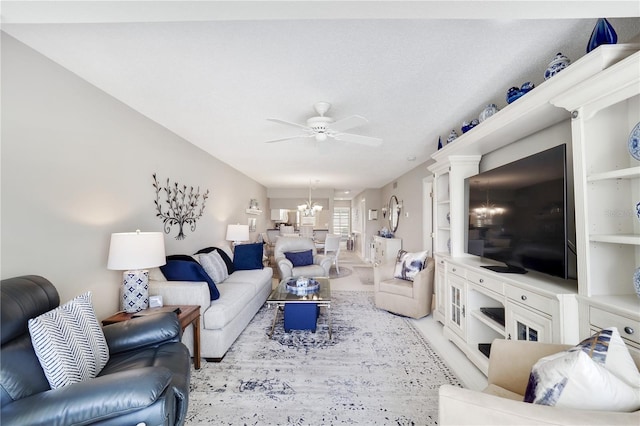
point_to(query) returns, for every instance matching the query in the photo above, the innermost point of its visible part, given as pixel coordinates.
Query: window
(341, 221)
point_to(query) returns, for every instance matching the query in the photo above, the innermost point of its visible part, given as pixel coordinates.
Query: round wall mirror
(394, 213)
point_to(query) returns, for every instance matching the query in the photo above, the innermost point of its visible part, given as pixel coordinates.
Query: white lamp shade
(136, 250)
(238, 232)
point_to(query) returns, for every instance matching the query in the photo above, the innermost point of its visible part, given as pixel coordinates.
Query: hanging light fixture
(309, 208)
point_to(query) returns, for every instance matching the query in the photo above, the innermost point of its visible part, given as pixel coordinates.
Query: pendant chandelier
(309, 208)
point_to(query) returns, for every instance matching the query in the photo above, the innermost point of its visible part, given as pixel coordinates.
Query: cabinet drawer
(629, 329)
(456, 270)
(484, 281)
(527, 298)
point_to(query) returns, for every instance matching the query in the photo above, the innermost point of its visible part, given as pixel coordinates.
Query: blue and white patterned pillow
(583, 378)
(409, 264)
(69, 342)
(607, 348)
(214, 266)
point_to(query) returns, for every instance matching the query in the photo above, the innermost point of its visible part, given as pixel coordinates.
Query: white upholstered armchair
(318, 266)
(409, 298)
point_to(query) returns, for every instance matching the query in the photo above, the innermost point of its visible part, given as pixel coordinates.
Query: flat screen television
(518, 214)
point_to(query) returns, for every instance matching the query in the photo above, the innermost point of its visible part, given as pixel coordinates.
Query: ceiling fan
(322, 127)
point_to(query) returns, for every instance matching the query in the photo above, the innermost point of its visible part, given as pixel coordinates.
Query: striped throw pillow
(69, 342)
(214, 266)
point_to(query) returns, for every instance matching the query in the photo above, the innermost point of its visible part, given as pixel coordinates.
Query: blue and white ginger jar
(559, 63)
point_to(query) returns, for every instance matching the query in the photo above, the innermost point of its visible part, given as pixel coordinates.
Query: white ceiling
(213, 72)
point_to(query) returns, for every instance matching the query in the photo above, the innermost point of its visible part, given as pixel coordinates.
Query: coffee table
(282, 296)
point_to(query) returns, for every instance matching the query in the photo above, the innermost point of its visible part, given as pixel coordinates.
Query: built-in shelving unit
(605, 108)
(598, 95)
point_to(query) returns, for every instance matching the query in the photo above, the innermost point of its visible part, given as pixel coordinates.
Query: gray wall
(77, 166)
(408, 189)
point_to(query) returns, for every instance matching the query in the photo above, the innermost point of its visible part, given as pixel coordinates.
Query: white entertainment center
(598, 97)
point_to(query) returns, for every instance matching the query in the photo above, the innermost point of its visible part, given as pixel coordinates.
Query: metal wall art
(182, 206)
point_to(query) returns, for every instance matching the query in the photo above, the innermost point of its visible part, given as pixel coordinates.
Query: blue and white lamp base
(135, 294)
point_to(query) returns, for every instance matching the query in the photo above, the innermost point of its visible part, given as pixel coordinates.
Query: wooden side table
(189, 314)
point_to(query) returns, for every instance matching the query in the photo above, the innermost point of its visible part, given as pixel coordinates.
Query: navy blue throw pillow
(300, 258)
(184, 270)
(184, 257)
(248, 256)
(223, 254)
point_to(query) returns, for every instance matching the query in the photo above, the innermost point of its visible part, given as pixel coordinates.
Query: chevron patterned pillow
(69, 342)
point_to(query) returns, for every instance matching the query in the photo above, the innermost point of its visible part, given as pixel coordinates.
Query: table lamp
(237, 233)
(132, 252)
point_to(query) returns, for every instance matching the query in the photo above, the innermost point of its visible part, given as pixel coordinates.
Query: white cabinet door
(456, 299)
(526, 324)
(441, 300)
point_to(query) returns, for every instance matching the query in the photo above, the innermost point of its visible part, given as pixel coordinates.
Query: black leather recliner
(145, 382)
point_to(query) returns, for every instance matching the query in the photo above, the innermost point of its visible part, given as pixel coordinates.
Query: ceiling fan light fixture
(321, 137)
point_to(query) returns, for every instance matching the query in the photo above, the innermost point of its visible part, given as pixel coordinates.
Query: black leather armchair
(145, 382)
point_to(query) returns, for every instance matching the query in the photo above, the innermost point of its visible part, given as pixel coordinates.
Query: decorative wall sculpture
(181, 206)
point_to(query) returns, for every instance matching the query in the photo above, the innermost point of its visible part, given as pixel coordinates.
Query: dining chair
(332, 249)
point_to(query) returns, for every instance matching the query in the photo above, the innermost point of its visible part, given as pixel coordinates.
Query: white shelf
(494, 325)
(444, 202)
(615, 239)
(537, 109)
(629, 173)
(625, 304)
(254, 211)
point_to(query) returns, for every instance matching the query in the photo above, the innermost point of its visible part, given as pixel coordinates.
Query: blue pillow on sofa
(185, 270)
(248, 256)
(300, 258)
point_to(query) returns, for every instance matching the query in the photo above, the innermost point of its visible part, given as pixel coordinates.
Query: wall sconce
(384, 210)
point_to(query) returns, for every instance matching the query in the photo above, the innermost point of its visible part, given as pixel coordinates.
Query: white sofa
(242, 294)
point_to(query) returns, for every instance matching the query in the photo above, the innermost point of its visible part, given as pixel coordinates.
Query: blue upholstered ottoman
(300, 316)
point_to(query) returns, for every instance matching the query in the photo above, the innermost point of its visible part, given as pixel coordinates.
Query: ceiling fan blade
(289, 138)
(363, 140)
(288, 123)
(347, 123)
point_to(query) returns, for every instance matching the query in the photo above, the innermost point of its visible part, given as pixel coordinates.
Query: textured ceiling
(214, 78)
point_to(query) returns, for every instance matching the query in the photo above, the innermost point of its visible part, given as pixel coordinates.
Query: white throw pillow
(596, 374)
(409, 264)
(69, 342)
(607, 348)
(214, 266)
(573, 380)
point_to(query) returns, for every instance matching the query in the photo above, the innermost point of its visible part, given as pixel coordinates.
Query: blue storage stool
(300, 316)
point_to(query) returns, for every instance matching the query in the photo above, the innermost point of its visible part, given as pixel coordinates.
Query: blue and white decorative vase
(638, 210)
(439, 142)
(527, 87)
(452, 136)
(487, 112)
(466, 126)
(559, 63)
(512, 94)
(603, 33)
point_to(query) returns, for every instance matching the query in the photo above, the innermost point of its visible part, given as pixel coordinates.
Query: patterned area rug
(365, 273)
(377, 370)
(344, 272)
